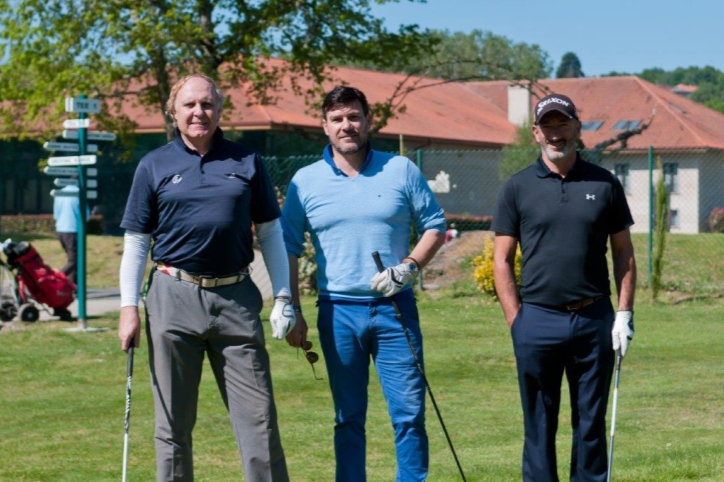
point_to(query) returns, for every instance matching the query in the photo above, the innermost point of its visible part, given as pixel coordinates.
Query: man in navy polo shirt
(563, 211)
(197, 198)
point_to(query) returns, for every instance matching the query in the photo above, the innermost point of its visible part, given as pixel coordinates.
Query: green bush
(716, 220)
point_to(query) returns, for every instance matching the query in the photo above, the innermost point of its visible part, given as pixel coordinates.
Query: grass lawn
(63, 394)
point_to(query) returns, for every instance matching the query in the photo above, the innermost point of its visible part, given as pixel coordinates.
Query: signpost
(76, 167)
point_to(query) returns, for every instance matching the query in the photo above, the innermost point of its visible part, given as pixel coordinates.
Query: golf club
(617, 377)
(129, 378)
(398, 315)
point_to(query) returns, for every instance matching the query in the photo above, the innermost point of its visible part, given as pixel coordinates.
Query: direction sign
(68, 147)
(91, 106)
(61, 193)
(91, 136)
(76, 123)
(69, 171)
(65, 181)
(73, 160)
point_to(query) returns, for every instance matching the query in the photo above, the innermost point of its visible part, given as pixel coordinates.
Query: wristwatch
(411, 266)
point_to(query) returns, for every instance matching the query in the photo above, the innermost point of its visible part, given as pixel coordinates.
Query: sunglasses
(312, 357)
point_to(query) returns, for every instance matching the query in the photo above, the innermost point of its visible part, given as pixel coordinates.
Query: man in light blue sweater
(66, 212)
(353, 202)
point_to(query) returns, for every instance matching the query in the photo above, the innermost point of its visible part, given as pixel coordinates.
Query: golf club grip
(378, 261)
(129, 368)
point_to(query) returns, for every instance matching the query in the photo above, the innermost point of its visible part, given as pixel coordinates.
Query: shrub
(468, 222)
(716, 220)
(483, 269)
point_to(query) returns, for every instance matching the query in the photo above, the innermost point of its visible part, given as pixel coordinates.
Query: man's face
(196, 113)
(347, 128)
(557, 135)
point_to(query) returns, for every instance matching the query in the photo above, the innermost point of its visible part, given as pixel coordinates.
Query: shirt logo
(176, 179)
(590, 197)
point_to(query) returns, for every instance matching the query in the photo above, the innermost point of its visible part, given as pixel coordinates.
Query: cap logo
(549, 101)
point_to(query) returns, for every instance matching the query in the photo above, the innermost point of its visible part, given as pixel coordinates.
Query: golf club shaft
(398, 315)
(129, 379)
(617, 377)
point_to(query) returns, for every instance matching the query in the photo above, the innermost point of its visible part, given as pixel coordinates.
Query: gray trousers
(185, 322)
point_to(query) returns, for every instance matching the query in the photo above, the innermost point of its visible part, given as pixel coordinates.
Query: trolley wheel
(64, 314)
(29, 313)
(8, 310)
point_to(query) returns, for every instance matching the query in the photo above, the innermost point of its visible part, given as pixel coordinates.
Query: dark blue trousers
(549, 342)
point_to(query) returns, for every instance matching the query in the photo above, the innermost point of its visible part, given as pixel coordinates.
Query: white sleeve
(274, 253)
(133, 266)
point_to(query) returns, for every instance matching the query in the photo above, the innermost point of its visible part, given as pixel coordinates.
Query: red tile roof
(474, 114)
(678, 123)
(435, 111)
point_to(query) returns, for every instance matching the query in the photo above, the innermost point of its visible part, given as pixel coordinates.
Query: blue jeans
(351, 332)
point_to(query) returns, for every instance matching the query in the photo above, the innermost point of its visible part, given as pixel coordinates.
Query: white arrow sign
(64, 181)
(72, 160)
(76, 123)
(91, 106)
(69, 171)
(92, 135)
(61, 193)
(68, 147)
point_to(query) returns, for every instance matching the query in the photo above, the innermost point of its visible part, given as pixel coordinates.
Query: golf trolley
(28, 285)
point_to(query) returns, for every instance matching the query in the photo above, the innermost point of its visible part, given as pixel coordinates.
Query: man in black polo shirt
(563, 211)
(197, 198)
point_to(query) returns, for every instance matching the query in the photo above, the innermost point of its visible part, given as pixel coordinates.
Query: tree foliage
(570, 67)
(121, 49)
(520, 154)
(478, 55)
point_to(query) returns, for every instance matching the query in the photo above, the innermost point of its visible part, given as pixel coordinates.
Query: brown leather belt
(577, 305)
(202, 281)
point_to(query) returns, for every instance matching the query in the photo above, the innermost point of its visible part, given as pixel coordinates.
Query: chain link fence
(467, 183)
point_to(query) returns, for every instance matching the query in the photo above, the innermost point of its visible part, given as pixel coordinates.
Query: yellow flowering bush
(483, 268)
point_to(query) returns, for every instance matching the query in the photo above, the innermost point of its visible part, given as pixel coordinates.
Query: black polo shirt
(200, 209)
(563, 226)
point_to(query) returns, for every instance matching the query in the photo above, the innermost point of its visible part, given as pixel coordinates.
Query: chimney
(518, 105)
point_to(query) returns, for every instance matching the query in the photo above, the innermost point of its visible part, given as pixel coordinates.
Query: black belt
(577, 305)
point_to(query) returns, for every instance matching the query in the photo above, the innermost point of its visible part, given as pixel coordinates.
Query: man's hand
(282, 318)
(298, 335)
(623, 331)
(395, 279)
(129, 328)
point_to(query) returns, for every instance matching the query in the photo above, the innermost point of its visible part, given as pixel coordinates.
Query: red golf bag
(38, 281)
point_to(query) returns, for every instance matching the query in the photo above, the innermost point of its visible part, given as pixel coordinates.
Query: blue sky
(607, 35)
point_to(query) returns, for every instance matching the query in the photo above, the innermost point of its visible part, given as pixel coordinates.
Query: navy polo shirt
(200, 209)
(563, 226)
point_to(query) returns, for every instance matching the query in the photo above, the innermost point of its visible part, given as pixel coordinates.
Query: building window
(621, 171)
(591, 125)
(674, 218)
(625, 125)
(671, 177)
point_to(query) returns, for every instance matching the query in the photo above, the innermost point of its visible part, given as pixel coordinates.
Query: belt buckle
(202, 282)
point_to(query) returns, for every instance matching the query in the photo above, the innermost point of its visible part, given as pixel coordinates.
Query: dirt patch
(449, 265)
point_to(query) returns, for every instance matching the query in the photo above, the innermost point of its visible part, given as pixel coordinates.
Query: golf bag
(36, 280)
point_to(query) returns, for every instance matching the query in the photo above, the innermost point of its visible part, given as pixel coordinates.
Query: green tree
(121, 49)
(570, 67)
(660, 228)
(478, 55)
(520, 154)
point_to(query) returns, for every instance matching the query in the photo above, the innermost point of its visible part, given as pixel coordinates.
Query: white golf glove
(394, 279)
(623, 331)
(282, 318)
